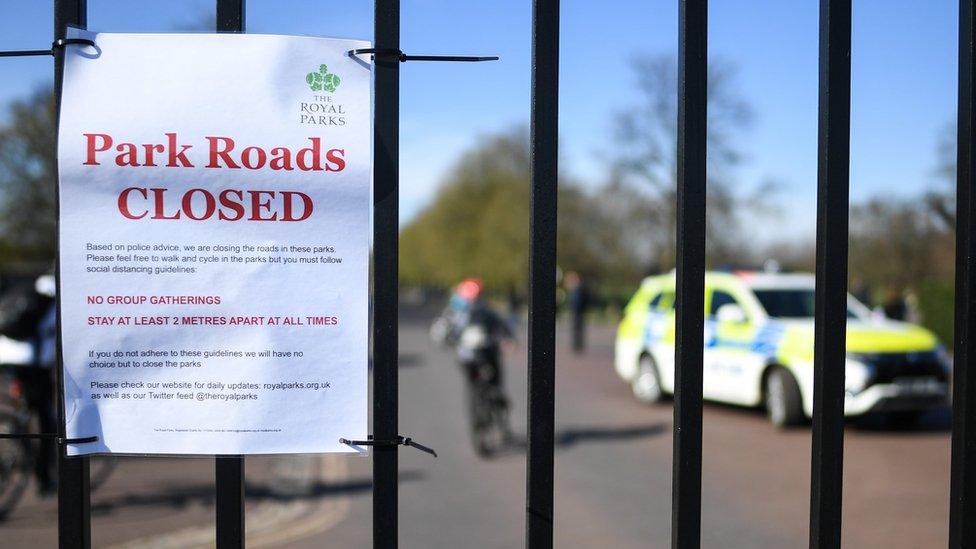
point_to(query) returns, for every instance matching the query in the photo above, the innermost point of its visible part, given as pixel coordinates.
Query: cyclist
(27, 314)
(479, 331)
(40, 393)
(468, 307)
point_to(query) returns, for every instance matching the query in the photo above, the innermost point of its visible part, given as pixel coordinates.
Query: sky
(903, 80)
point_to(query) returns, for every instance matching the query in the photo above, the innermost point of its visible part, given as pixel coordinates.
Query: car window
(720, 298)
(665, 301)
(792, 303)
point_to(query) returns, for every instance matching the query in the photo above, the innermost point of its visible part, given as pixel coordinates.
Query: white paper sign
(215, 222)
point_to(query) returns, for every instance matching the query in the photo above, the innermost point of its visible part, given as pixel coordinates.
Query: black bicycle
(15, 454)
(18, 455)
(479, 354)
(488, 409)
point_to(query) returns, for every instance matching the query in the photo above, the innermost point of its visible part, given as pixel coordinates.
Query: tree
(898, 244)
(902, 246)
(477, 225)
(27, 179)
(942, 201)
(647, 161)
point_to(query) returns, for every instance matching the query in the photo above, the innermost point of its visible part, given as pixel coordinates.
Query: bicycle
(17, 455)
(488, 408)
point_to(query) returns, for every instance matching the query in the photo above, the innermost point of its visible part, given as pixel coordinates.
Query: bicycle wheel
(480, 410)
(497, 433)
(15, 464)
(500, 409)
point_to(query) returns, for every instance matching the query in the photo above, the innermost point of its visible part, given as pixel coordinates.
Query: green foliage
(937, 305)
(27, 180)
(478, 226)
(903, 247)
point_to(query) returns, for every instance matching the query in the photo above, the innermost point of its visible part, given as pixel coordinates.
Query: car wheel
(647, 384)
(784, 405)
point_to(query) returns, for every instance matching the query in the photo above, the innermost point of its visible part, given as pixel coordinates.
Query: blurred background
(464, 213)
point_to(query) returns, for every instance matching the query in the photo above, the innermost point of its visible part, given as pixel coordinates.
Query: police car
(759, 349)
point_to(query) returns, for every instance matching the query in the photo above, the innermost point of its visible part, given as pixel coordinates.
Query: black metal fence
(831, 274)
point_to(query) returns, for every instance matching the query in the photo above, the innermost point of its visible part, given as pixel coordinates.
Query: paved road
(613, 467)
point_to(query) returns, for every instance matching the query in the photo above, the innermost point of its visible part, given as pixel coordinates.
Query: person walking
(578, 298)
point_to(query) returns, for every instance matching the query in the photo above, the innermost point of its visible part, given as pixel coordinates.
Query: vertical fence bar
(230, 15)
(542, 273)
(386, 213)
(229, 480)
(830, 338)
(74, 497)
(962, 496)
(229, 470)
(690, 272)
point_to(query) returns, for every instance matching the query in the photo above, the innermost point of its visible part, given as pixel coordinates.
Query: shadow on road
(576, 435)
(203, 493)
(321, 489)
(409, 360)
(935, 422)
(581, 435)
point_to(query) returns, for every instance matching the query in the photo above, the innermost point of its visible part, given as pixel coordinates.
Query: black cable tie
(59, 43)
(25, 53)
(403, 58)
(43, 436)
(398, 441)
(82, 440)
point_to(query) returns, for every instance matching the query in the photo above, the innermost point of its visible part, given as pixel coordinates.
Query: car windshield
(792, 302)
